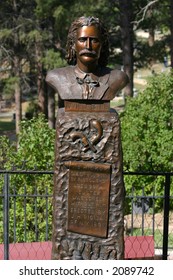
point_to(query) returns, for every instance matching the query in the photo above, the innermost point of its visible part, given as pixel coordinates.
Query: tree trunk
(18, 94)
(126, 12)
(151, 33)
(18, 107)
(42, 99)
(17, 72)
(171, 29)
(151, 37)
(42, 96)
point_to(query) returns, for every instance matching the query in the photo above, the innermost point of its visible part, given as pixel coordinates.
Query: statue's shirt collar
(82, 75)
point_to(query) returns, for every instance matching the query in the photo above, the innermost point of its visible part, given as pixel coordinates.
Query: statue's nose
(88, 43)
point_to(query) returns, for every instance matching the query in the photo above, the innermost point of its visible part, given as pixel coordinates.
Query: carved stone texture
(70, 243)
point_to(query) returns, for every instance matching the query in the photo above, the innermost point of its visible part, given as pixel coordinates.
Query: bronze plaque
(84, 106)
(88, 198)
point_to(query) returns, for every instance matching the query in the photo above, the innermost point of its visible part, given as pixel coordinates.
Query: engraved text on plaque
(88, 198)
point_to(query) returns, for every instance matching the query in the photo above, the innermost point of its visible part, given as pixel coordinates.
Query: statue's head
(72, 36)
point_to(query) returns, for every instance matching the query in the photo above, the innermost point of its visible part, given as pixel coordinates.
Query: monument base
(88, 220)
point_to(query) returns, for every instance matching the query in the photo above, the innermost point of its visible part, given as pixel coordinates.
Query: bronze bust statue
(88, 198)
(87, 77)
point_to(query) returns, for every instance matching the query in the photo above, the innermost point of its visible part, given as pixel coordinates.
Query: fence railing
(26, 209)
(159, 224)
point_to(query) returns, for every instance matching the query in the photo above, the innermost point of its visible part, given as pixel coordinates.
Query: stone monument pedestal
(88, 221)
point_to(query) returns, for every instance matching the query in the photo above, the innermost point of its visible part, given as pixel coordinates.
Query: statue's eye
(95, 40)
(82, 40)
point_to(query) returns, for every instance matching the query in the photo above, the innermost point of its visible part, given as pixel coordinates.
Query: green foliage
(59, 14)
(36, 143)
(45, 7)
(32, 109)
(147, 136)
(147, 126)
(34, 35)
(35, 151)
(9, 87)
(5, 150)
(5, 33)
(53, 60)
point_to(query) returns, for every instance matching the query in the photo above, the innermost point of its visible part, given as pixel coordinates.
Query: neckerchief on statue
(88, 81)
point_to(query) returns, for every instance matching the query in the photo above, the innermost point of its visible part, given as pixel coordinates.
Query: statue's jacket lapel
(63, 80)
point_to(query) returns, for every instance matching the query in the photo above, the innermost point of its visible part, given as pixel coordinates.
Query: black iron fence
(151, 212)
(26, 210)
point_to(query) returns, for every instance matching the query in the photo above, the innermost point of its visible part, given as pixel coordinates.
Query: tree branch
(143, 11)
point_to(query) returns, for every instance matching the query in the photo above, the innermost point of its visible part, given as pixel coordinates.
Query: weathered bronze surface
(88, 198)
(89, 140)
(73, 245)
(87, 77)
(88, 183)
(81, 106)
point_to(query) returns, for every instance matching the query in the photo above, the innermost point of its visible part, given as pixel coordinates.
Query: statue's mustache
(87, 52)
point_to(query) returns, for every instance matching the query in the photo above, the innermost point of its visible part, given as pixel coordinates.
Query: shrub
(147, 125)
(35, 150)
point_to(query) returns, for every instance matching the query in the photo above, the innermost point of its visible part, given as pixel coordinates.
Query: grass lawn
(6, 125)
(117, 103)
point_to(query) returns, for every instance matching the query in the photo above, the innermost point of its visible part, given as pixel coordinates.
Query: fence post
(6, 216)
(166, 216)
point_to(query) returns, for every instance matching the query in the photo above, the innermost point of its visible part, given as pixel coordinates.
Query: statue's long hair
(87, 21)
